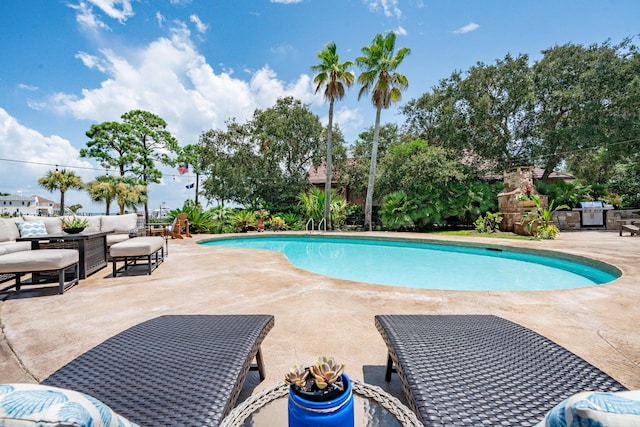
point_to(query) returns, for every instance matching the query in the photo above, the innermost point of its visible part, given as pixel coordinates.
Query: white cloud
(389, 7)
(170, 78)
(200, 26)
(116, 9)
(282, 49)
(471, 26)
(400, 31)
(25, 86)
(349, 120)
(37, 155)
(160, 18)
(86, 18)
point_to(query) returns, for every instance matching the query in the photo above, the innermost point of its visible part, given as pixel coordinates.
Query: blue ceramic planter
(335, 412)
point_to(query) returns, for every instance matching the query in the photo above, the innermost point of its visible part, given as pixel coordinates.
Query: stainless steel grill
(592, 213)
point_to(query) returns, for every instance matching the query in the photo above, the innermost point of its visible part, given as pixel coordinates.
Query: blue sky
(66, 64)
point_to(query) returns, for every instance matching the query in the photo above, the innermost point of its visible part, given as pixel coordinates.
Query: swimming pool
(431, 265)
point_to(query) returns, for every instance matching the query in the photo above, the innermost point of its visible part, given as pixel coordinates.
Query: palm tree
(331, 74)
(61, 180)
(103, 189)
(379, 62)
(129, 193)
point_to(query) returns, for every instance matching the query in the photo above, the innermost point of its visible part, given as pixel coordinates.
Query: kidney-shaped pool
(431, 265)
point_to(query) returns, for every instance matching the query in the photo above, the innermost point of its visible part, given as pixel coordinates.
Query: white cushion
(119, 224)
(620, 409)
(40, 260)
(13, 246)
(28, 229)
(53, 223)
(34, 405)
(9, 229)
(139, 246)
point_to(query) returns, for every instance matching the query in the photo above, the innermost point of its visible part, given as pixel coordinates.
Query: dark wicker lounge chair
(471, 370)
(172, 370)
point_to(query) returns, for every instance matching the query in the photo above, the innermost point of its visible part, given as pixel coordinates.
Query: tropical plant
(62, 181)
(490, 223)
(379, 62)
(222, 220)
(278, 223)
(570, 193)
(244, 221)
(313, 202)
(74, 222)
(396, 212)
(331, 74)
(200, 221)
(292, 220)
(542, 218)
(75, 208)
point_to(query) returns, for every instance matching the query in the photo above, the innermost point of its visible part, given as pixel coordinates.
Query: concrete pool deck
(316, 315)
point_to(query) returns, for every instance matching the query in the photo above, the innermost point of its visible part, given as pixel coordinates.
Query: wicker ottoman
(40, 261)
(149, 249)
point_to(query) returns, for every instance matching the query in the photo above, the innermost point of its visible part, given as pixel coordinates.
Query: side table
(373, 406)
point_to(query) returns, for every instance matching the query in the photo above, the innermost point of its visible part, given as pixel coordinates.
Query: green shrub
(244, 221)
(490, 223)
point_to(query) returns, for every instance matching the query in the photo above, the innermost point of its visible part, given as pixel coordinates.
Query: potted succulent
(74, 224)
(320, 395)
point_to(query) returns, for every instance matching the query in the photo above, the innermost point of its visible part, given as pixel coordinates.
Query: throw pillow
(28, 229)
(591, 408)
(34, 405)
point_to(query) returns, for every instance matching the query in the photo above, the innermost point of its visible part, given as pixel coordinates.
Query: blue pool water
(431, 265)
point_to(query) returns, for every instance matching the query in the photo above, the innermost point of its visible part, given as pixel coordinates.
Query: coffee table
(91, 245)
(372, 407)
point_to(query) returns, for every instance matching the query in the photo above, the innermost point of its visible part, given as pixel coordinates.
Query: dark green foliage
(293, 221)
(265, 161)
(565, 193)
(200, 221)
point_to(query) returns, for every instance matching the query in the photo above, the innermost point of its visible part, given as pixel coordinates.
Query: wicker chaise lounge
(471, 370)
(179, 370)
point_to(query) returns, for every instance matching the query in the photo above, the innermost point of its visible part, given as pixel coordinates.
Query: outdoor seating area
(149, 250)
(35, 245)
(471, 370)
(465, 369)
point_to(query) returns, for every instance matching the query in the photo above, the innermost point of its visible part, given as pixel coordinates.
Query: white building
(27, 205)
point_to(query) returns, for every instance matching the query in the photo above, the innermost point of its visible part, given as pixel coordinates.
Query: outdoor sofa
(472, 370)
(174, 370)
(122, 227)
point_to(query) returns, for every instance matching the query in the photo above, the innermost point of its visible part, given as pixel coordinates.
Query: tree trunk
(372, 173)
(327, 185)
(61, 203)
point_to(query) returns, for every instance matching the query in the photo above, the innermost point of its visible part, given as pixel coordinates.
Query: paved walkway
(316, 315)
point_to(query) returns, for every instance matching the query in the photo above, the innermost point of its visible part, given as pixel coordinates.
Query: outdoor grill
(592, 213)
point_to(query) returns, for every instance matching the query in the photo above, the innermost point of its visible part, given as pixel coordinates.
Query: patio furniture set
(38, 246)
(188, 370)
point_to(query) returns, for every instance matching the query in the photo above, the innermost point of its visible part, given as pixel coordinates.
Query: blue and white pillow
(34, 405)
(28, 229)
(621, 409)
